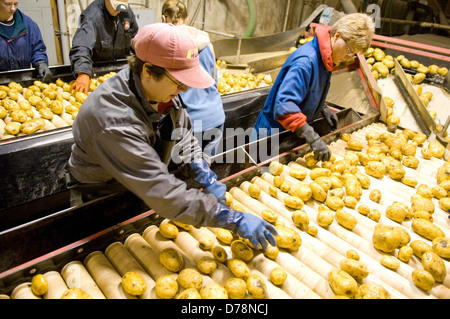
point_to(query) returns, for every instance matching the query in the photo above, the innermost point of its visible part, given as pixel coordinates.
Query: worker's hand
(82, 83)
(319, 147)
(330, 117)
(43, 72)
(246, 225)
(205, 176)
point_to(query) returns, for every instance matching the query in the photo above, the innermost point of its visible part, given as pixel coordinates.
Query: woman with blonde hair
(298, 94)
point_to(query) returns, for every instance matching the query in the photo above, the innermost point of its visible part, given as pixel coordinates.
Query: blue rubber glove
(330, 117)
(205, 176)
(248, 226)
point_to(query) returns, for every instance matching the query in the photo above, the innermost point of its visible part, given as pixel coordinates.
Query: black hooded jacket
(101, 37)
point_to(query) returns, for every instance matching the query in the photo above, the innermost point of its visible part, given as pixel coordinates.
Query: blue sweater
(301, 86)
(205, 105)
(24, 47)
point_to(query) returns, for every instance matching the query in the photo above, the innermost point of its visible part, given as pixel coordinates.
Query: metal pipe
(422, 24)
(65, 48)
(349, 7)
(286, 15)
(238, 52)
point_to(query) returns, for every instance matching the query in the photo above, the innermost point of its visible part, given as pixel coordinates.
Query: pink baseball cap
(172, 48)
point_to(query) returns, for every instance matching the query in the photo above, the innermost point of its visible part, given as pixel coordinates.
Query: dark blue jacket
(24, 48)
(301, 86)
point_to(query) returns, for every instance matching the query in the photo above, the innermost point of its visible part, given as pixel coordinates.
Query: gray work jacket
(118, 135)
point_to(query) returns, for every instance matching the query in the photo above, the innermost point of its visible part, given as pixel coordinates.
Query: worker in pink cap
(133, 130)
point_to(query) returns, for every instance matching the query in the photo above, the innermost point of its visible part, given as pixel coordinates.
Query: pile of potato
(40, 107)
(382, 65)
(241, 81)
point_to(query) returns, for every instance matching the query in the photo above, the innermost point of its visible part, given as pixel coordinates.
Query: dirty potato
(441, 246)
(345, 219)
(371, 290)
(354, 268)
(342, 283)
(434, 265)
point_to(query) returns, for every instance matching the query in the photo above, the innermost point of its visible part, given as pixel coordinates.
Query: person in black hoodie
(104, 33)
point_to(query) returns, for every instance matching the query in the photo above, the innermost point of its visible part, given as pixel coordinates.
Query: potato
(236, 288)
(386, 238)
(206, 242)
(190, 293)
(371, 290)
(355, 145)
(214, 291)
(389, 262)
(287, 238)
(441, 246)
(426, 229)
(410, 161)
(271, 252)
(278, 276)
(300, 219)
(375, 195)
(301, 190)
(421, 203)
(312, 230)
(353, 187)
(269, 215)
(278, 181)
(238, 267)
(363, 210)
(396, 212)
(374, 215)
(228, 199)
(443, 71)
(352, 254)
(171, 259)
(339, 166)
(12, 128)
(409, 181)
(298, 173)
(352, 158)
(293, 202)
(254, 190)
(423, 279)
(375, 169)
(318, 193)
(342, 283)
(46, 114)
(273, 191)
(345, 219)
(31, 126)
(256, 287)
(338, 192)
(405, 253)
(318, 172)
(397, 172)
(285, 187)
(240, 250)
(309, 159)
(424, 191)
(219, 253)
(18, 116)
(350, 202)
(133, 283)
(207, 265)
(190, 278)
(334, 202)
(39, 285)
(275, 168)
(354, 268)
(439, 193)
(224, 235)
(437, 149)
(75, 293)
(419, 247)
(325, 217)
(423, 214)
(168, 230)
(405, 63)
(433, 263)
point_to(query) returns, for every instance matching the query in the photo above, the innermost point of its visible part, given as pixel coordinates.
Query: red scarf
(323, 36)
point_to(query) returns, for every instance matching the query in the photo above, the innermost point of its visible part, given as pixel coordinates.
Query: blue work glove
(246, 225)
(319, 147)
(205, 176)
(43, 72)
(330, 117)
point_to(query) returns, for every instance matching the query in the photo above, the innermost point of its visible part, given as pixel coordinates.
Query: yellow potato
(32, 126)
(219, 253)
(396, 212)
(39, 285)
(318, 193)
(318, 172)
(437, 149)
(236, 288)
(207, 265)
(168, 230)
(342, 283)
(443, 71)
(75, 293)
(386, 238)
(254, 190)
(334, 202)
(228, 198)
(278, 276)
(371, 290)
(434, 265)
(293, 202)
(241, 250)
(423, 279)
(426, 229)
(190, 293)
(171, 259)
(354, 268)
(287, 238)
(325, 218)
(272, 252)
(409, 181)
(269, 215)
(375, 195)
(12, 128)
(345, 219)
(389, 262)
(256, 287)
(190, 278)
(410, 161)
(312, 230)
(238, 267)
(300, 219)
(405, 253)
(275, 168)
(298, 173)
(133, 283)
(375, 169)
(301, 190)
(419, 247)
(213, 291)
(441, 246)
(354, 145)
(224, 235)
(418, 202)
(350, 201)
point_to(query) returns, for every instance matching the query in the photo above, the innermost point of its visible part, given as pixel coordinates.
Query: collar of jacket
(19, 27)
(323, 37)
